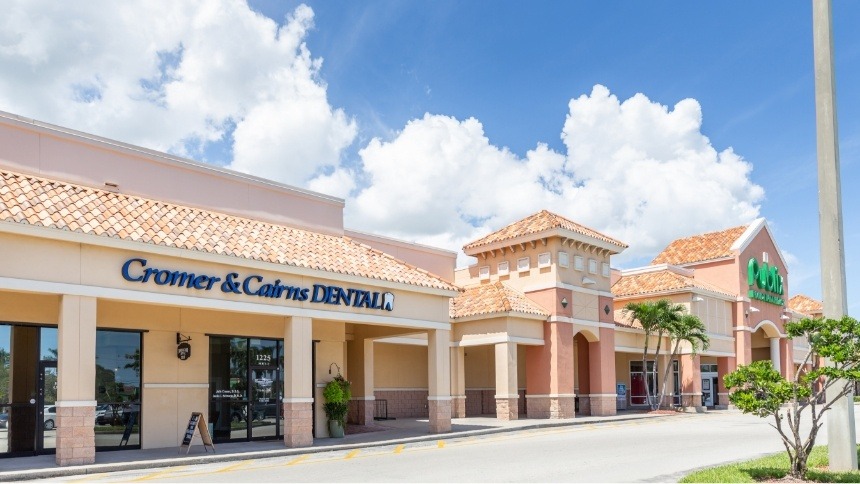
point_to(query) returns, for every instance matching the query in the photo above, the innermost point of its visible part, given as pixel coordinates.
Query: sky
(440, 121)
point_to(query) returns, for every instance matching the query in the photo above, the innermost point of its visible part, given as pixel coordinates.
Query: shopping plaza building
(137, 287)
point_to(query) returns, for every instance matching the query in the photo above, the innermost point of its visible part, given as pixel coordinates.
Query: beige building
(137, 288)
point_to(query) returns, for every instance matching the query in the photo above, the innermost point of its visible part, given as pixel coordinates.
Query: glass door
(265, 396)
(46, 406)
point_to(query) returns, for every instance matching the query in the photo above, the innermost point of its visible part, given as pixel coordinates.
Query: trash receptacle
(621, 396)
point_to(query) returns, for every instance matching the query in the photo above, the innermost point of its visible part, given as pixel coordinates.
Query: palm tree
(685, 329)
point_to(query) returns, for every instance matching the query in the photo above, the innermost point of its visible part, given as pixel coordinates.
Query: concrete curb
(265, 454)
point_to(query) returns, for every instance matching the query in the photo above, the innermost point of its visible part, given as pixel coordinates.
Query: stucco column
(76, 377)
(725, 365)
(549, 368)
(298, 384)
(360, 365)
(601, 366)
(458, 382)
(774, 354)
(786, 355)
(439, 379)
(743, 347)
(507, 395)
(691, 382)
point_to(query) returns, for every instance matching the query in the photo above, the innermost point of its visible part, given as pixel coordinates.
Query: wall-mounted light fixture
(606, 309)
(698, 299)
(785, 317)
(587, 281)
(333, 364)
(564, 302)
(754, 309)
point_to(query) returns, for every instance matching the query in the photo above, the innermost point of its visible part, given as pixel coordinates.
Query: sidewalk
(392, 432)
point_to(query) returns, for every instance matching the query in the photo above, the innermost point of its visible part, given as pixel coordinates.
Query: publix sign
(765, 282)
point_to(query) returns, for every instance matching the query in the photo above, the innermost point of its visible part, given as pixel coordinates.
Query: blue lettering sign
(136, 270)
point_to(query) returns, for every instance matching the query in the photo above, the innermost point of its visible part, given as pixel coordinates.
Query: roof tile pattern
(491, 299)
(37, 201)
(702, 247)
(657, 282)
(539, 222)
(805, 304)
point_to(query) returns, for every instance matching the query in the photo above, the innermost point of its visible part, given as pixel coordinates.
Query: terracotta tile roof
(805, 304)
(37, 201)
(702, 247)
(539, 222)
(625, 320)
(657, 282)
(491, 299)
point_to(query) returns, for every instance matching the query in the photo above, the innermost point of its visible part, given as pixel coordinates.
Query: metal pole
(841, 438)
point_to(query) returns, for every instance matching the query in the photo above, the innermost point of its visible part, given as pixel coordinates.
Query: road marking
(235, 466)
(156, 475)
(440, 444)
(352, 454)
(297, 460)
(399, 449)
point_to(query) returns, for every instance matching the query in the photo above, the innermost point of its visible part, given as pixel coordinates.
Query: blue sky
(379, 85)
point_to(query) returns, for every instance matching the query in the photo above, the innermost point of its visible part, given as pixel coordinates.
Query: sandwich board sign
(197, 426)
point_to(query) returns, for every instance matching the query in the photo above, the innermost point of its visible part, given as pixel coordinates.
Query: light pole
(841, 439)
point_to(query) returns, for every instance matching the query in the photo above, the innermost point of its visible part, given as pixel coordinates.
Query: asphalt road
(661, 450)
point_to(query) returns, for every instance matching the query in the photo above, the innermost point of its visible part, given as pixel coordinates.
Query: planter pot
(335, 429)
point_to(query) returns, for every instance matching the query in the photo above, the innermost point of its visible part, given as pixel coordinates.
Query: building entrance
(245, 385)
(28, 389)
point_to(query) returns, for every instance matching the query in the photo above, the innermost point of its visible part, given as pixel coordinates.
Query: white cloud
(180, 76)
(634, 169)
(176, 76)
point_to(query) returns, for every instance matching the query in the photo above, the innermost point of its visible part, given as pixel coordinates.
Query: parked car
(4, 418)
(50, 418)
(109, 414)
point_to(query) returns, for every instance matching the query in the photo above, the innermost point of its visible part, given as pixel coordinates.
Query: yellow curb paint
(399, 449)
(234, 466)
(297, 460)
(156, 475)
(352, 454)
(441, 444)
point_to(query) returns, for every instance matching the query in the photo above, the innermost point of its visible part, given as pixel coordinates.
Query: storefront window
(245, 388)
(676, 381)
(638, 395)
(28, 419)
(118, 376)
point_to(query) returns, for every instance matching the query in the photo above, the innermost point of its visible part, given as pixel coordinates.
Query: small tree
(761, 390)
(662, 319)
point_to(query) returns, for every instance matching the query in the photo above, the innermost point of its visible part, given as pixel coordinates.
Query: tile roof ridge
(41, 182)
(407, 264)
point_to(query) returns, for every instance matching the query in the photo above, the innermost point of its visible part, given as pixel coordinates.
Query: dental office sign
(765, 282)
(135, 270)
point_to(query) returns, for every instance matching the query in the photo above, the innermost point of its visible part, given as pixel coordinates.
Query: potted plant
(336, 405)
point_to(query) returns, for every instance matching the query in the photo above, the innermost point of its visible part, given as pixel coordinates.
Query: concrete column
(298, 384)
(360, 363)
(786, 354)
(743, 347)
(774, 354)
(507, 395)
(691, 383)
(76, 376)
(439, 380)
(458, 382)
(549, 381)
(725, 365)
(601, 366)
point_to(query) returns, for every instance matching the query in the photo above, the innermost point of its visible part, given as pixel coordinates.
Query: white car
(50, 418)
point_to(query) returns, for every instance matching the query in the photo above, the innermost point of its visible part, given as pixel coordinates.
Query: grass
(773, 467)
